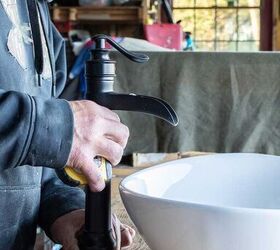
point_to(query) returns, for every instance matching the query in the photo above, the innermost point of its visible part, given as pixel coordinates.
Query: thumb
(93, 174)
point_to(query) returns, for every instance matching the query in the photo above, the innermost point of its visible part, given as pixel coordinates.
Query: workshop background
(225, 100)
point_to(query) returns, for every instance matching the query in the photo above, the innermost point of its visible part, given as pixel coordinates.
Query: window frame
(265, 41)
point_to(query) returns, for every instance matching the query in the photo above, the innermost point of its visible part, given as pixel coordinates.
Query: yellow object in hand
(78, 178)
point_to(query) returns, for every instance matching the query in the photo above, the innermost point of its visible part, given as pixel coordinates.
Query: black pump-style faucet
(100, 77)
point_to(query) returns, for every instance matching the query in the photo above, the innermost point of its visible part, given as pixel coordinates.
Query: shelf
(122, 14)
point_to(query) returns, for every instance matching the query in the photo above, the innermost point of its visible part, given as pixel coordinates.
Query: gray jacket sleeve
(34, 131)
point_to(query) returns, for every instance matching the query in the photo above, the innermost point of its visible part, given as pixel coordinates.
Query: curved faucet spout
(138, 103)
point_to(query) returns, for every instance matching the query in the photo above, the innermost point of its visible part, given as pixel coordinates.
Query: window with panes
(220, 25)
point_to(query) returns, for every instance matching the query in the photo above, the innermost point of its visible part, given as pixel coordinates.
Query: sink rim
(123, 189)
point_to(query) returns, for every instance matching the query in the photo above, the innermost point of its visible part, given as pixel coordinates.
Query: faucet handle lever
(133, 56)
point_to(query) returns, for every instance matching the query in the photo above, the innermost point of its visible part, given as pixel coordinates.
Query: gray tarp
(226, 102)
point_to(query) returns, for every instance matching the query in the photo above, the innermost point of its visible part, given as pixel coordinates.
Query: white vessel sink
(214, 202)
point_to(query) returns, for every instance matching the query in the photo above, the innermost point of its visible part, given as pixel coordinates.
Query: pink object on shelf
(165, 35)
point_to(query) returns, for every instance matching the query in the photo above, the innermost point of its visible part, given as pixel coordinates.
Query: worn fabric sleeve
(34, 131)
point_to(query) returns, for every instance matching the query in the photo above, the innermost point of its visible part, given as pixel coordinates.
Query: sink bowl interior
(224, 180)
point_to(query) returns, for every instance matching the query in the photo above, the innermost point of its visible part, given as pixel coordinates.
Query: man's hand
(97, 132)
(67, 227)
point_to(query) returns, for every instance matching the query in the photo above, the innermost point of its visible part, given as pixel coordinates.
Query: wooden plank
(146, 160)
(125, 171)
(112, 14)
